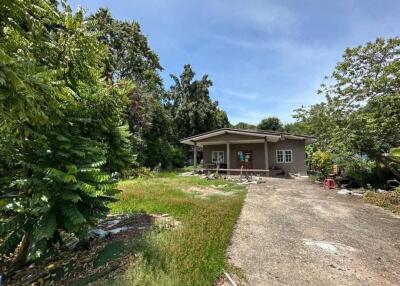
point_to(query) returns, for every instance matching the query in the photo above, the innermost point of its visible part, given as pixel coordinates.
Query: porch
(234, 158)
(252, 152)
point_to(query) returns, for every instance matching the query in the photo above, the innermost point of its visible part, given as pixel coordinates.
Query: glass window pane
(279, 156)
(288, 156)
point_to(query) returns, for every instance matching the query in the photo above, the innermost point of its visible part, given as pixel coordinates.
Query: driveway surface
(293, 232)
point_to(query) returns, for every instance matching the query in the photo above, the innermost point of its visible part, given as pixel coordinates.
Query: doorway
(245, 159)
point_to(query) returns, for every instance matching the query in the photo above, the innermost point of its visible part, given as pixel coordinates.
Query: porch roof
(252, 136)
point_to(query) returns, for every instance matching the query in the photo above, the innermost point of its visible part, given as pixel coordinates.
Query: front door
(245, 159)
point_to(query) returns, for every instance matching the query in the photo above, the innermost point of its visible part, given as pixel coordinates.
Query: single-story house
(257, 151)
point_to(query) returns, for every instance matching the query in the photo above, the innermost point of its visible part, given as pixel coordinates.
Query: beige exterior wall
(297, 146)
(298, 153)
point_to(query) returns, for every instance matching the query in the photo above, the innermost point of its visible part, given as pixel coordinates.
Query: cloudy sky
(264, 57)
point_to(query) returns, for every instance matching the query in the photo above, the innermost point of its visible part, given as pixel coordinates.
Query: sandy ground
(293, 232)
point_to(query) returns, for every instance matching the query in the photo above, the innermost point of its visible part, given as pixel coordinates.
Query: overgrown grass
(192, 254)
(388, 200)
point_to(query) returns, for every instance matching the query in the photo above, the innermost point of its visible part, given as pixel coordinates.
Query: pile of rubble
(240, 179)
(360, 192)
(246, 180)
(356, 192)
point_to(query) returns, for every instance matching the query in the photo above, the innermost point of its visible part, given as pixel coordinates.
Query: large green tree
(192, 109)
(62, 129)
(130, 56)
(244, 125)
(361, 115)
(271, 123)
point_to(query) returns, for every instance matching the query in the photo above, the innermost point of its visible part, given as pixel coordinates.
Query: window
(284, 156)
(217, 157)
(279, 156)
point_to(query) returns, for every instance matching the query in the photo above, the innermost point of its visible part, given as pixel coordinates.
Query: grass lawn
(194, 252)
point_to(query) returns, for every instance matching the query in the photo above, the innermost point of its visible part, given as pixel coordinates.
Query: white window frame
(217, 154)
(284, 156)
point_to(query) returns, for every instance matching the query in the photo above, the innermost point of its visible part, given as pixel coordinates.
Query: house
(256, 151)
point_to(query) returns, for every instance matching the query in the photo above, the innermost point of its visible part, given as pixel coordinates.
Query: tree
(191, 107)
(130, 56)
(131, 59)
(245, 126)
(270, 123)
(62, 131)
(361, 115)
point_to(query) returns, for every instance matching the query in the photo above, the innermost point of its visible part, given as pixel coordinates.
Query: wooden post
(195, 155)
(228, 157)
(266, 155)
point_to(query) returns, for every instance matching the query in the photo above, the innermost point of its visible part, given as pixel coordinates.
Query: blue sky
(265, 58)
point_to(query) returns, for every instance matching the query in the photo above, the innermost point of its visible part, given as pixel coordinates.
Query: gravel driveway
(293, 232)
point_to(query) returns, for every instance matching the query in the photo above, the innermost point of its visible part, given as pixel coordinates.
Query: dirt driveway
(293, 232)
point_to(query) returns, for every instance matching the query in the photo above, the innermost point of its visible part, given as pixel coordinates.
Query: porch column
(195, 154)
(266, 154)
(228, 156)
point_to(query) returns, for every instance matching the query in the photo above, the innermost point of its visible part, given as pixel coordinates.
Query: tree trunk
(22, 254)
(385, 162)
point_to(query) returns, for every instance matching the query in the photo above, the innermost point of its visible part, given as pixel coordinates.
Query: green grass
(192, 254)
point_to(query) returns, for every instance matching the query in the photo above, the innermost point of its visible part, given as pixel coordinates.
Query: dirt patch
(205, 192)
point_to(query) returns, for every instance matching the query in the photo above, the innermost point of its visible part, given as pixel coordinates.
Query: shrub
(321, 163)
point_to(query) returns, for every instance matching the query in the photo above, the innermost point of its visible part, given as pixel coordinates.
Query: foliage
(61, 127)
(152, 125)
(245, 126)
(295, 128)
(395, 153)
(130, 56)
(361, 112)
(270, 123)
(188, 255)
(321, 162)
(191, 107)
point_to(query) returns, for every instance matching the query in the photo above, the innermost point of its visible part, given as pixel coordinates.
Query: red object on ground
(329, 184)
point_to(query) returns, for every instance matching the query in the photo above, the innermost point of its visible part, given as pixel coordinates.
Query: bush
(321, 163)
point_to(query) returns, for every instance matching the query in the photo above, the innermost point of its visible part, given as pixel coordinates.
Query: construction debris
(75, 262)
(187, 174)
(344, 192)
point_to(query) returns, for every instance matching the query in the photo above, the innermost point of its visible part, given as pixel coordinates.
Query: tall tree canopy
(130, 56)
(62, 128)
(191, 107)
(361, 115)
(271, 123)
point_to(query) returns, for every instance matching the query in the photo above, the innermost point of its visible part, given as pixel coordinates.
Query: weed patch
(193, 254)
(387, 200)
